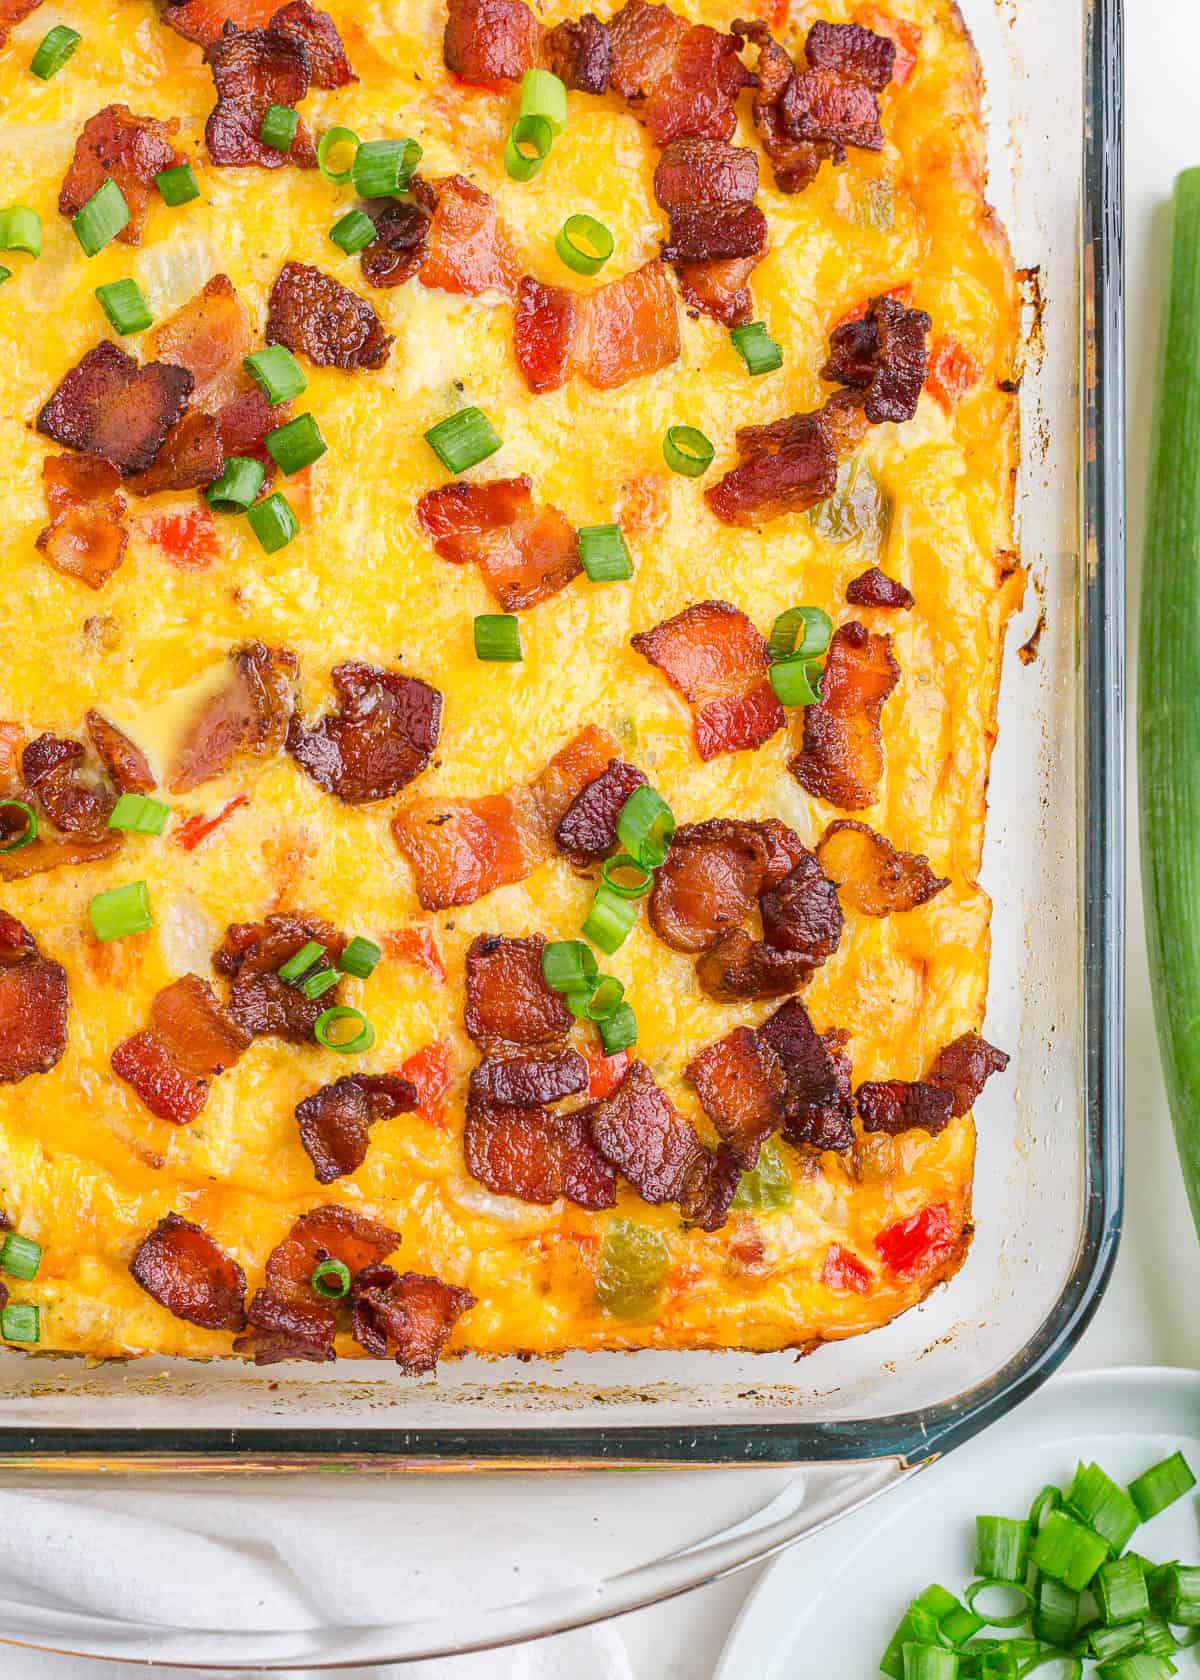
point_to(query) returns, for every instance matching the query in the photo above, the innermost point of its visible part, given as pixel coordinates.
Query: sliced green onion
(645, 826)
(687, 451)
(577, 1002)
(623, 864)
(5, 274)
(1068, 1551)
(610, 920)
(757, 348)
(383, 168)
(278, 127)
(800, 630)
(1157, 1637)
(1001, 1548)
(796, 681)
(922, 1619)
(21, 1256)
(1104, 1506)
(354, 232)
(1056, 1612)
(1069, 1667)
(120, 912)
(29, 833)
(527, 147)
(568, 965)
(930, 1662)
(462, 440)
(498, 638)
(273, 522)
(618, 1031)
(277, 371)
(1104, 1643)
(56, 48)
(1120, 1589)
(1161, 1485)
(1139, 1665)
(331, 1278)
(606, 999)
(603, 553)
(21, 230)
(296, 445)
(237, 486)
(1183, 1596)
(1049, 1499)
(136, 813)
(544, 95)
(584, 244)
(993, 1619)
(329, 141)
(102, 218)
(316, 985)
(177, 185)
(299, 963)
(360, 957)
(1160, 1583)
(21, 1323)
(363, 1039)
(126, 308)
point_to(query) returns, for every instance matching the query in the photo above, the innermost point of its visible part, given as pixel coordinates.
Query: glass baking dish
(1048, 1183)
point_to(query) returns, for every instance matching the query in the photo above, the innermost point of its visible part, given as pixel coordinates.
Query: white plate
(826, 1610)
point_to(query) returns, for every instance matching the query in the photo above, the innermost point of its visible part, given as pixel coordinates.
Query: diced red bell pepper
(429, 1070)
(917, 1244)
(844, 1270)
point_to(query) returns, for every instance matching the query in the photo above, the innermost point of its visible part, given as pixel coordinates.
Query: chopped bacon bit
(741, 1087)
(618, 332)
(905, 36)
(795, 162)
(844, 1270)
(694, 175)
(802, 915)
(252, 953)
(895, 1105)
(817, 1108)
(738, 967)
(544, 333)
(488, 41)
(34, 1003)
(204, 21)
(842, 756)
(885, 356)
(580, 54)
(785, 468)
(189, 834)
(567, 774)
(916, 1245)
(192, 455)
(208, 336)
(874, 588)
(126, 764)
(713, 876)
(247, 717)
(409, 1316)
(13, 12)
(335, 1121)
(328, 65)
(953, 371)
(190, 1039)
(964, 1067)
(381, 737)
(254, 69)
(679, 78)
(509, 1004)
(526, 552)
(85, 538)
(187, 540)
(50, 766)
(535, 1155)
(709, 1188)
(716, 658)
(109, 406)
(116, 145)
(588, 827)
(400, 246)
(720, 231)
(873, 877)
(529, 1078)
(48, 853)
(312, 312)
(416, 945)
(605, 1073)
(245, 421)
(190, 1274)
(469, 251)
(717, 232)
(429, 1070)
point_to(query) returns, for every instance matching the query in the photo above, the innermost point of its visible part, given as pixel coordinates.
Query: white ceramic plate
(826, 1610)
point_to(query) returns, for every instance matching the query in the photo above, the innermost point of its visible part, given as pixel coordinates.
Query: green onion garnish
(273, 522)
(362, 1040)
(618, 1031)
(1183, 1596)
(237, 486)
(498, 637)
(1056, 1613)
(21, 1256)
(577, 1002)
(120, 912)
(922, 1620)
(102, 218)
(316, 985)
(1049, 1499)
(568, 965)
(301, 961)
(1001, 1548)
(645, 826)
(614, 871)
(757, 348)
(1120, 1589)
(329, 141)
(1157, 1637)
(360, 957)
(278, 372)
(21, 230)
(584, 244)
(278, 127)
(796, 681)
(296, 445)
(1139, 1665)
(177, 185)
(1067, 1551)
(5, 274)
(136, 813)
(354, 232)
(929, 1662)
(544, 95)
(527, 147)
(29, 833)
(383, 168)
(993, 1619)
(56, 48)
(126, 308)
(20, 1322)
(1161, 1485)
(1104, 1506)
(462, 440)
(331, 1278)
(606, 999)
(687, 451)
(800, 630)
(603, 554)
(610, 919)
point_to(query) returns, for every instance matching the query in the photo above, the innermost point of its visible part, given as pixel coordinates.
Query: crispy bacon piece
(204, 21)
(525, 552)
(795, 162)
(509, 1005)
(711, 1184)
(489, 41)
(914, 1246)
(327, 62)
(713, 876)
(524, 1081)
(895, 1106)
(34, 1003)
(50, 767)
(884, 354)
(678, 78)
(874, 588)
(716, 658)
(335, 1121)
(802, 915)
(817, 1110)
(741, 1086)
(209, 336)
(408, 1316)
(843, 1269)
(246, 717)
(312, 312)
(784, 468)
(580, 53)
(190, 1274)
(964, 1067)
(400, 246)
(287, 1319)
(382, 735)
(536, 1155)
(192, 455)
(718, 233)
(86, 536)
(109, 406)
(254, 69)
(126, 764)
(872, 876)
(47, 853)
(191, 1038)
(251, 955)
(737, 966)
(13, 12)
(842, 756)
(244, 422)
(116, 145)
(588, 827)
(469, 251)
(618, 332)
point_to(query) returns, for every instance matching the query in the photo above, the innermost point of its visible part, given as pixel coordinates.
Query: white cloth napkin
(286, 1558)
